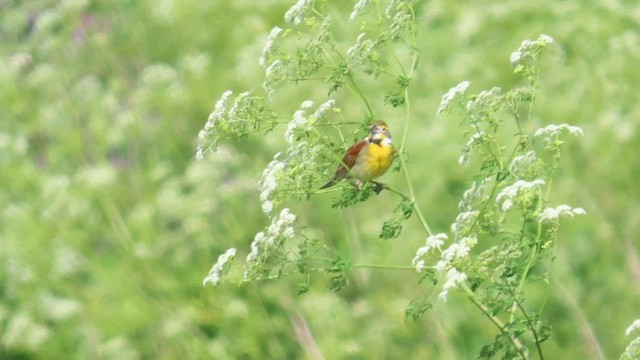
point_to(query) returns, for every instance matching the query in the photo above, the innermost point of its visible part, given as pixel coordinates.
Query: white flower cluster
(471, 196)
(554, 130)
(560, 211)
(268, 46)
(464, 221)
(474, 141)
(269, 182)
(361, 49)
(483, 97)
(298, 11)
(392, 6)
(511, 192)
(456, 250)
(528, 47)
(324, 108)
(300, 120)
(454, 277)
(459, 89)
(360, 5)
(216, 115)
(275, 73)
(433, 242)
(280, 229)
(217, 271)
(521, 164)
(633, 327)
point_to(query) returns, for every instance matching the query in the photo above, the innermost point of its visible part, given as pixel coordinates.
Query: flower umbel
(298, 11)
(517, 192)
(454, 277)
(451, 95)
(220, 268)
(269, 45)
(550, 214)
(433, 242)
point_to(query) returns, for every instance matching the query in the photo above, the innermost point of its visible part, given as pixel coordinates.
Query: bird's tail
(329, 184)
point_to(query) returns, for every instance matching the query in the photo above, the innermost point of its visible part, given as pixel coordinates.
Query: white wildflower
(287, 217)
(529, 47)
(521, 164)
(475, 140)
(561, 211)
(471, 196)
(362, 49)
(298, 11)
(269, 182)
(464, 221)
(273, 68)
(238, 103)
(554, 130)
(268, 46)
(511, 192)
(436, 241)
(392, 5)
(433, 242)
(515, 57)
(441, 266)
(288, 232)
(299, 121)
(459, 89)
(545, 39)
(267, 206)
(323, 108)
(219, 113)
(352, 50)
(218, 269)
(484, 97)
(360, 5)
(454, 277)
(456, 251)
(635, 326)
(255, 247)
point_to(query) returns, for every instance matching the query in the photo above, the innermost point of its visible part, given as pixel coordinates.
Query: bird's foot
(379, 187)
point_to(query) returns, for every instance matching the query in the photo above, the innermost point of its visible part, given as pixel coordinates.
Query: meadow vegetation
(138, 145)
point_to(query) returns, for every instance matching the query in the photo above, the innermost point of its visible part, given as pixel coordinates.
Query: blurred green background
(108, 225)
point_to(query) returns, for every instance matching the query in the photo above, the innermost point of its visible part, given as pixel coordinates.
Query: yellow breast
(375, 162)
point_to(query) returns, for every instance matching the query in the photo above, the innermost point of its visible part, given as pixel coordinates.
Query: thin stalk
(496, 321)
(533, 330)
(534, 255)
(385, 267)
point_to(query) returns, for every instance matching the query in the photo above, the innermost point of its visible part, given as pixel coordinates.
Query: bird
(367, 159)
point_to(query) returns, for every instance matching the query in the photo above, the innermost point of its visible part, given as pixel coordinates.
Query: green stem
(533, 330)
(496, 321)
(403, 163)
(387, 267)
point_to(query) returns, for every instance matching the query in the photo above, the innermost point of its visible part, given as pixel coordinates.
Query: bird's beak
(377, 135)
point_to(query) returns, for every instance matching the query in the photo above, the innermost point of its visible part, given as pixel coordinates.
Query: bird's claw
(379, 187)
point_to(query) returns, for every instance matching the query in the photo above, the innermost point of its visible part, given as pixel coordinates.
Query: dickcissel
(367, 159)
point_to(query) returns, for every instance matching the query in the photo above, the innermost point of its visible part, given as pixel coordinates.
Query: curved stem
(403, 164)
(533, 330)
(496, 321)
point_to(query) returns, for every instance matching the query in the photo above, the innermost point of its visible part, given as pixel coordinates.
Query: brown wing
(349, 159)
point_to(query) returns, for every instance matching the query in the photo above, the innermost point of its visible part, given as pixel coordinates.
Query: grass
(105, 210)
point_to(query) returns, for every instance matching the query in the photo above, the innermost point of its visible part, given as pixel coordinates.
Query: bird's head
(379, 133)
